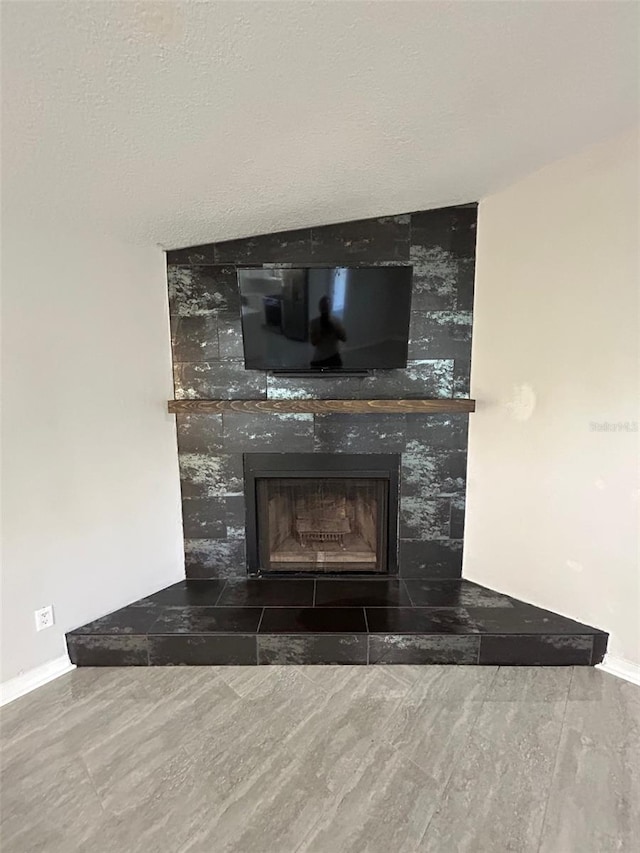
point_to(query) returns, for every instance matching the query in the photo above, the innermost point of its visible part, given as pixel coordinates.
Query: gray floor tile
(308, 759)
(531, 684)
(435, 720)
(598, 764)
(496, 795)
(386, 806)
(35, 796)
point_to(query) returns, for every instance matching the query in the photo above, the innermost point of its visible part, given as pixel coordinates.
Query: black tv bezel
(302, 372)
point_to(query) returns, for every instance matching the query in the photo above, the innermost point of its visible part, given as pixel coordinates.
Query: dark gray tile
(430, 559)
(203, 518)
(199, 433)
(365, 240)
(340, 433)
(202, 290)
(235, 516)
(423, 378)
(265, 592)
(214, 558)
(461, 378)
(466, 283)
(292, 433)
(432, 473)
(202, 650)
(209, 475)
(194, 338)
(399, 649)
(207, 620)
(457, 517)
(128, 620)
(312, 649)
(437, 432)
(192, 255)
(283, 246)
(443, 257)
(236, 532)
(107, 650)
(600, 642)
(424, 519)
(230, 338)
(450, 228)
(523, 618)
(440, 334)
(313, 620)
(321, 388)
(454, 593)
(218, 380)
(537, 650)
(189, 593)
(361, 593)
(420, 620)
(435, 276)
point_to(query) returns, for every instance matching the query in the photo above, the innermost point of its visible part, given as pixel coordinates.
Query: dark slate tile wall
(208, 363)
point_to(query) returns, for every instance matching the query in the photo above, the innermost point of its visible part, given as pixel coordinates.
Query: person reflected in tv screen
(326, 333)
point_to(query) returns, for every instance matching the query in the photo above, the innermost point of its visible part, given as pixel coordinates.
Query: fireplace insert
(321, 513)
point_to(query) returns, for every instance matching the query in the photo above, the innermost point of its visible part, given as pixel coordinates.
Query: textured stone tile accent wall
(208, 363)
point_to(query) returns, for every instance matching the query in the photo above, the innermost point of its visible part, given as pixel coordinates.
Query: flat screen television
(325, 319)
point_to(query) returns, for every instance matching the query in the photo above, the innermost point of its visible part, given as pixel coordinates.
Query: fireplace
(321, 513)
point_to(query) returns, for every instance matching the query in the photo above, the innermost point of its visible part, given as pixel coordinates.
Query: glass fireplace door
(322, 524)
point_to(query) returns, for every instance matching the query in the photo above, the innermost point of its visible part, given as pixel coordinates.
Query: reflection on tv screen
(325, 319)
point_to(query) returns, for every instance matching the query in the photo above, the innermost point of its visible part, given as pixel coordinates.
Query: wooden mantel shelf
(323, 407)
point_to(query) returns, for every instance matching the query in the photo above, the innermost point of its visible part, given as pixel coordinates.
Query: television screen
(325, 319)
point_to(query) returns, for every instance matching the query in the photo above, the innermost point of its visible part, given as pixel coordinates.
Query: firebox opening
(322, 524)
(321, 513)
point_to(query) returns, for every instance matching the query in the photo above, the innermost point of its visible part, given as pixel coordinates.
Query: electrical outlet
(44, 618)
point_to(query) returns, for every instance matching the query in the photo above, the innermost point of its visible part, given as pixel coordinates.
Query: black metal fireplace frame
(381, 466)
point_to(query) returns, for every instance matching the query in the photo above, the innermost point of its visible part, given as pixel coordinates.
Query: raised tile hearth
(322, 621)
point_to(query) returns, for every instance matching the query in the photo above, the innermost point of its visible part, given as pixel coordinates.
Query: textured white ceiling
(182, 123)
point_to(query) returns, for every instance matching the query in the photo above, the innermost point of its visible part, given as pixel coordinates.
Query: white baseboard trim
(19, 686)
(621, 668)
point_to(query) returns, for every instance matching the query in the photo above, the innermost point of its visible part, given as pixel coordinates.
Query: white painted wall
(552, 504)
(91, 514)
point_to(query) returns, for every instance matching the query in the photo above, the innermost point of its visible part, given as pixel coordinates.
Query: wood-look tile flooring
(342, 759)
